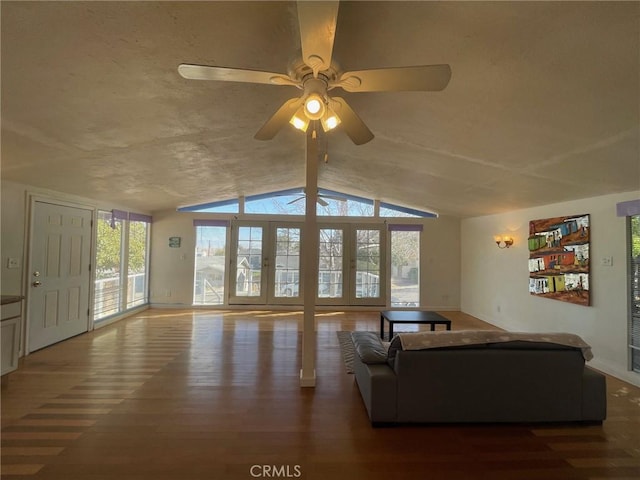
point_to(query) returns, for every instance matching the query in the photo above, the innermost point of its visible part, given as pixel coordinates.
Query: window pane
(405, 269)
(367, 263)
(108, 261)
(277, 205)
(249, 262)
(137, 274)
(336, 207)
(330, 263)
(211, 244)
(287, 271)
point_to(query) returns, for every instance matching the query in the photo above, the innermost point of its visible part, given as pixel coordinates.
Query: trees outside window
(405, 268)
(107, 299)
(121, 278)
(137, 277)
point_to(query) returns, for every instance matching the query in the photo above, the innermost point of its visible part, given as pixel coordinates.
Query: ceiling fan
(320, 198)
(316, 75)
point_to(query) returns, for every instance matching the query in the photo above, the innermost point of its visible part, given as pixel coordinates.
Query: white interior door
(60, 277)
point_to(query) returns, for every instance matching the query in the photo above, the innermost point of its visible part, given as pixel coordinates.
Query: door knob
(36, 274)
(37, 283)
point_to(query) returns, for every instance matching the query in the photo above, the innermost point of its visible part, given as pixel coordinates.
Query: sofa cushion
(394, 346)
(526, 345)
(369, 347)
(519, 340)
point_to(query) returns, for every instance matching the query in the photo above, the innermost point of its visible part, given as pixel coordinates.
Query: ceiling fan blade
(224, 74)
(354, 127)
(322, 202)
(333, 197)
(425, 78)
(317, 22)
(295, 200)
(278, 119)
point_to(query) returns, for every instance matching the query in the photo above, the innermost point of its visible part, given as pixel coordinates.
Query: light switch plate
(13, 263)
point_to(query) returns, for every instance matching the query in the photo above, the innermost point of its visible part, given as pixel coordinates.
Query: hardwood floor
(202, 395)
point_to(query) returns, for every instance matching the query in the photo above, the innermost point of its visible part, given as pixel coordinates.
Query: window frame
(633, 305)
(123, 286)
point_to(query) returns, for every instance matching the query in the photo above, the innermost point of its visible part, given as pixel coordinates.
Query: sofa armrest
(375, 379)
(594, 395)
(378, 388)
(369, 347)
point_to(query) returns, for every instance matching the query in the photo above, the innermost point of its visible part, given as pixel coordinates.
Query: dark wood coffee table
(411, 316)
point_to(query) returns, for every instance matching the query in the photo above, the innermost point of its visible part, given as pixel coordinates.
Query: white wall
(172, 268)
(495, 282)
(440, 264)
(13, 214)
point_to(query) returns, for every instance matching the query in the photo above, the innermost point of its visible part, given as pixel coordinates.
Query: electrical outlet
(606, 261)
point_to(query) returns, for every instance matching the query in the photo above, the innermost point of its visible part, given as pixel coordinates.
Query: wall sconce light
(503, 241)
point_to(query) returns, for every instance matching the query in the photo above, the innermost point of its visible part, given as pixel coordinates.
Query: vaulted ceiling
(542, 107)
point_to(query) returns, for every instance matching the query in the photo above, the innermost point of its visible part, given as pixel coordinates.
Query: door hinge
(89, 267)
(88, 312)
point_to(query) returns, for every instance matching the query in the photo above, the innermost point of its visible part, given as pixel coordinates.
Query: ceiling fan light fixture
(299, 120)
(330, 120)
(314, 107)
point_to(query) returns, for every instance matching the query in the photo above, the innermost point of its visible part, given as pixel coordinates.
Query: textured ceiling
(542, 107)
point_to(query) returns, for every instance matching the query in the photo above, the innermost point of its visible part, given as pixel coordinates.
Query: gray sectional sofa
(505, 380)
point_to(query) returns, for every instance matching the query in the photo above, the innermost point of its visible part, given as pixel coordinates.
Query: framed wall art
(559, 259)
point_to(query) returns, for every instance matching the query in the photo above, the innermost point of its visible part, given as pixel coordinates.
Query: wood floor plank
(61, 422)
(41, 435)
(20, 469)
(201, 395)
(30, 451)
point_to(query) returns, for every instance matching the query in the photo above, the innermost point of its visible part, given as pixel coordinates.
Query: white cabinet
(10, 333)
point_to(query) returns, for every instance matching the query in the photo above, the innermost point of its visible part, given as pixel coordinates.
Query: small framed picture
(174, 242)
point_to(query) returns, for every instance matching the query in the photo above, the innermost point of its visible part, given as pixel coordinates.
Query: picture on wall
(559, 259)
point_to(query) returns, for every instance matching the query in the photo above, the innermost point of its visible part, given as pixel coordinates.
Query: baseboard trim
(298, 308)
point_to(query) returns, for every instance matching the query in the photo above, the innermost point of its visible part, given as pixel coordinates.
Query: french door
(351, 266)
(265, 263)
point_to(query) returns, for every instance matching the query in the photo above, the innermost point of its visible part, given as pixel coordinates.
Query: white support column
(310, 264)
